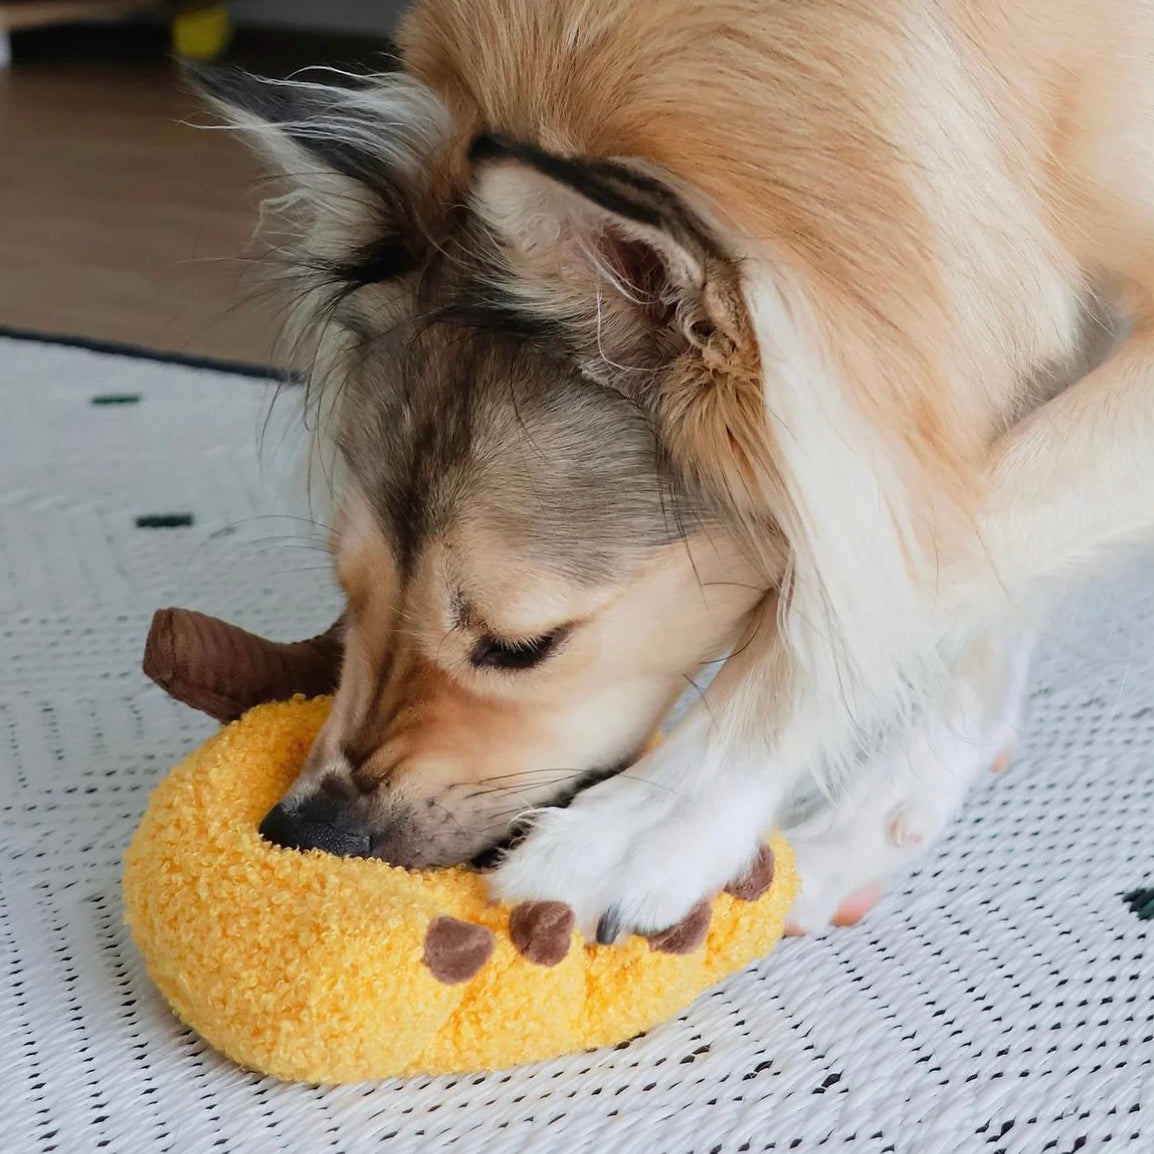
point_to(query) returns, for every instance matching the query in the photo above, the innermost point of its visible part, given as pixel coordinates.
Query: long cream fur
(899, 181)
(921, 197)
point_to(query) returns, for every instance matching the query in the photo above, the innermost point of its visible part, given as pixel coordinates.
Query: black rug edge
(141, 352)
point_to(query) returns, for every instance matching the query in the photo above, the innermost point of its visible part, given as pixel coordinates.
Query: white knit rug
(1000, 1000)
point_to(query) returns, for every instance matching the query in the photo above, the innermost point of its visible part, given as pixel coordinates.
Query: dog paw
(626, 859)
(812, 915)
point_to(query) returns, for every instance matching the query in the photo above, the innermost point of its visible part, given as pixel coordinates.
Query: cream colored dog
(658, 333)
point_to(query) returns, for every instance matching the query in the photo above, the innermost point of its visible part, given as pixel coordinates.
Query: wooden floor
(118, 221)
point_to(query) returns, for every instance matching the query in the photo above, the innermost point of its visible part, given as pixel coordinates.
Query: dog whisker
(559, 773)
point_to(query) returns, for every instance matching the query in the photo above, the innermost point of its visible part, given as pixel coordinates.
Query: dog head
(511, 347)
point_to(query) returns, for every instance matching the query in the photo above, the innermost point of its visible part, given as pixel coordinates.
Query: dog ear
(609, 250)
(353, 157)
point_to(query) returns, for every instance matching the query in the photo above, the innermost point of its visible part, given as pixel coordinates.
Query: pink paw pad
(850, 912)
(857, 905)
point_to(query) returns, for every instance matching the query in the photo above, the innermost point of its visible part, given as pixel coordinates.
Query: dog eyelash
(493, 653)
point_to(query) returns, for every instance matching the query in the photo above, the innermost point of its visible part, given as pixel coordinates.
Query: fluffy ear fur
(359, 168)
(356, 159)
(652, 303)
(795, 468)
(610, 251)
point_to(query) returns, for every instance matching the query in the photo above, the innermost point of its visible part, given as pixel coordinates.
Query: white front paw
(627, 857)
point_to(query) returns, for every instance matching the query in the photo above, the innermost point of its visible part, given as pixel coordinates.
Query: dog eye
(491, 653)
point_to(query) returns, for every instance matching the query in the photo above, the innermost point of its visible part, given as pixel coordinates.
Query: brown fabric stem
(224, 670)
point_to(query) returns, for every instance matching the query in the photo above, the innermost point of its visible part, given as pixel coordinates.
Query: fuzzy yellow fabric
(310, 967)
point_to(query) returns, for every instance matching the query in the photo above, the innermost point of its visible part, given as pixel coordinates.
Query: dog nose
(316, 823)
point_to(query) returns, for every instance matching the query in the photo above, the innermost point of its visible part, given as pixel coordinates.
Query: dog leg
(902, 799)
(1066, 484)
(639, 851)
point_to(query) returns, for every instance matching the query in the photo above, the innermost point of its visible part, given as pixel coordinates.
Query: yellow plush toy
(325, 969)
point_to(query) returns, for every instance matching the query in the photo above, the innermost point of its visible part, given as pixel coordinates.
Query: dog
(658, 343)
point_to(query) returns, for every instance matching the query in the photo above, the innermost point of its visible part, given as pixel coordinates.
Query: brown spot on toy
(541, 932)
(758, 878)
(456, 950)
(687, 935)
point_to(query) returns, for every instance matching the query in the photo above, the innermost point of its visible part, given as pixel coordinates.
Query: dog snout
(346, 827)
(318, 822)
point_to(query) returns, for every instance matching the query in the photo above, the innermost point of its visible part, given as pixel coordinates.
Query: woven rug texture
(1001, 998)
